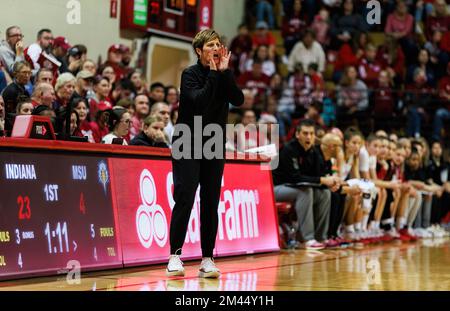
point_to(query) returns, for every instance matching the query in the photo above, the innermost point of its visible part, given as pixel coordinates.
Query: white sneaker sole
(175, 273)
(210, 275)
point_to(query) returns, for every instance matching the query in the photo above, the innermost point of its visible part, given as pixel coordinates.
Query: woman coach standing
(207, 89)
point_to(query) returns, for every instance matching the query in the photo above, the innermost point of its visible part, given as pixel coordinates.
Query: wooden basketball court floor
(424, 265)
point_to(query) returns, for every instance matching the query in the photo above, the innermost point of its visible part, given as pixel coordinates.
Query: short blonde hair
(63, 79)
(40, 89)
(152, 119)
(203, 37)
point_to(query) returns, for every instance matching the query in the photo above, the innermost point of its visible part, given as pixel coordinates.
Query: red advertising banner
(205, 19)
(144, 202)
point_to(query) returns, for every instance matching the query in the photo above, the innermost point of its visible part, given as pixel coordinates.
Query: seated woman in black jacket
(152, 134)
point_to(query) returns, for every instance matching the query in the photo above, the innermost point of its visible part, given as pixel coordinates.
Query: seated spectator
(162, 110)
(262, 55)
(172, 96)
(73, 129)
(346, 24)
(126, 59)
(264, 8)
(60, 47)
(64, 88)
(12, 49)
(100, 125)
(141, 111)
(438, 57)
(22, 75)
(247, 132)
(321, 27)
(318, 82)
(369, 68)
(390, 55)
(418, 96)
(43, 94)
(84, 84)
(294, 23)
(423, 62)
(306, 52)
(277, 84)
(255, 80)
(443, 112)
(108, 72)
(384, 101)
(399, 25)
(314, 113)
(102, 89)
(75, 58)
(38, 54)
(352, 94)
(121, 90)
(263, 36)
(300, 162)
(157, 93)
(119, 127)
(138, 82)
(46, 111)
(439, 21)
(44, 75)
(89, 65)
(114, 60)
(24, 106)
(350, 54)
(240, 48)
(302, 87)
(152, 134)
(81, 107)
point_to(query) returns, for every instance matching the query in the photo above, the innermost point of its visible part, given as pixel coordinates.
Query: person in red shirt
(115, 57)
(384, 101)
(240, 48)
(440, 21)
(255, 80)
(263, 36)
(350, 54)
(302, 86)
(39, 54)
(43, 94)
(102, 88)
(390, 55)
(443, 113)
(80, 106)
(369, 68)
(100, 127)
(400, 24)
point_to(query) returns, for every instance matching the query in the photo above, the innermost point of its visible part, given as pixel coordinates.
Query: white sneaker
(208, 269)
(175, 266)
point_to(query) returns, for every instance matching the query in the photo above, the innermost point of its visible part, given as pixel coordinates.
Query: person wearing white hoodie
(306, 52)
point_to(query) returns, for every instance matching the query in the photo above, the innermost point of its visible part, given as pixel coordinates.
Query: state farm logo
(41, 130)
(151, 222)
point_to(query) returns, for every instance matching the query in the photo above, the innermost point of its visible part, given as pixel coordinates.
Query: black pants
(187, 175)
(387, 210)
(336, 213)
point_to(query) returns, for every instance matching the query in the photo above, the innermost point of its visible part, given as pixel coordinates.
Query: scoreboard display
(55, 213)
(180, 19)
